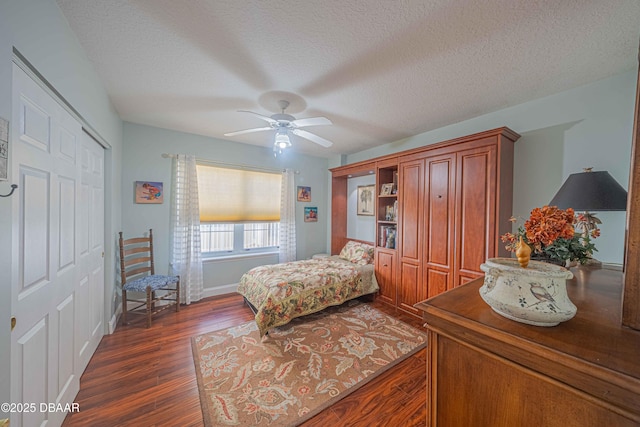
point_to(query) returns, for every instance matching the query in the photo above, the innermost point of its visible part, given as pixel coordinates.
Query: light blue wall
(38, 30)
(143, 161)
(589, 126)
(361, 227)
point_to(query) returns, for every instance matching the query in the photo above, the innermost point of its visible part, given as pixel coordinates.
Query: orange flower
(510, 240)
(556, 234)
(547, 224)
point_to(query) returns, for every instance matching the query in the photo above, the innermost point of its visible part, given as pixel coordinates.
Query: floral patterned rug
(299, 369)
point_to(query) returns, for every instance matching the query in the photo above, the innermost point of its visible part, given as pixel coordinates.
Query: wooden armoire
(440, 212)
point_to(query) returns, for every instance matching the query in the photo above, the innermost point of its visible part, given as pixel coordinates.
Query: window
(216, 237)
(239, 238)
(260, 235)
(239, 210)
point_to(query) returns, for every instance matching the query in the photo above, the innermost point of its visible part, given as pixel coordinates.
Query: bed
(279, 293)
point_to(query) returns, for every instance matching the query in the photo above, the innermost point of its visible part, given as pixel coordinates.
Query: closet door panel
(411, 199)
(439, 223)
(475, 211)
(411, 196)
(410, 291)
(438, 282)
(439, 211)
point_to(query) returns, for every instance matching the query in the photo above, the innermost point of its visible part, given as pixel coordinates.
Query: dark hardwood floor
(146, 377)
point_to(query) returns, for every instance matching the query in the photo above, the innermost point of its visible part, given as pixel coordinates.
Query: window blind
(236, 195)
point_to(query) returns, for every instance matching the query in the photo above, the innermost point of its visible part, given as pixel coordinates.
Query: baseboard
(219, 290)
(206, 292)
(611, 266)
(114, 319)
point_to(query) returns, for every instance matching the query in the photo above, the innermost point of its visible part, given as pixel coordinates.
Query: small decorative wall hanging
(304, 194)
(149, 192)
(311, 214)
(365, 199)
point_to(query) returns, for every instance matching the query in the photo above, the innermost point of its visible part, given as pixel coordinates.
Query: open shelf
(387, 206)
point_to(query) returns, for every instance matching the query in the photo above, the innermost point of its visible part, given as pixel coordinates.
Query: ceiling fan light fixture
(284, 124)
(282, 140)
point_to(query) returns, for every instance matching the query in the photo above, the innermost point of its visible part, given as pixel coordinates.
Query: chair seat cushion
(154, 281)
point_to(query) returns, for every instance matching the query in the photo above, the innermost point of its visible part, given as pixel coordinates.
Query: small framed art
(149, 192)
(386, 189)
(304, 194)
(311, 214)
(365, 199)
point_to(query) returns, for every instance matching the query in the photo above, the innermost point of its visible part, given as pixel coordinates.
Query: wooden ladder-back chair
(138, 275)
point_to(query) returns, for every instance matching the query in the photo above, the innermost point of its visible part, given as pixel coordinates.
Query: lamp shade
(282, 140)
(591, 191)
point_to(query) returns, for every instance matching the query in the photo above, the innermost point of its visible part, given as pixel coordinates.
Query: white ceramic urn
(536, 295)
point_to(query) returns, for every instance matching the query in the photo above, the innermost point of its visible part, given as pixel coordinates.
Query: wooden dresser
(484, 370)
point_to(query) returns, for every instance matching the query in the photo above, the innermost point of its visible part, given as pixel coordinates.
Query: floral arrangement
(551, 234)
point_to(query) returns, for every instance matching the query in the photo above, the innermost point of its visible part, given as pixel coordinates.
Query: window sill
(232, 257)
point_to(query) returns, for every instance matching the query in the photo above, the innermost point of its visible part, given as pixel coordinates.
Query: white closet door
(50, 273)
(90, 274)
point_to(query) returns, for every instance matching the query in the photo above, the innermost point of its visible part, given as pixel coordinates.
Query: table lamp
(591, 191)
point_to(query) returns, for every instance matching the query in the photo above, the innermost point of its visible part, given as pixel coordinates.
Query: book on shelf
(387, 236)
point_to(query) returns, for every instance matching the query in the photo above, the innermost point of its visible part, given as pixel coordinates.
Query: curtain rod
(231, 165)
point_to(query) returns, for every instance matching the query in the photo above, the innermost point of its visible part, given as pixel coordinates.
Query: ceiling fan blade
(265, 118)
(240, 132)
(312, 137)
(311, 121)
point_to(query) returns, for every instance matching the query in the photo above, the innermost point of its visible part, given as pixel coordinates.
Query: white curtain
(186, 258)
(288, 217)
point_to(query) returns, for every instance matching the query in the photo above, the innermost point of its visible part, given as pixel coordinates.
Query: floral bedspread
(282, 292)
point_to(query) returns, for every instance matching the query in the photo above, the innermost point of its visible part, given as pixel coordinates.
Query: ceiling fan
(285, 124)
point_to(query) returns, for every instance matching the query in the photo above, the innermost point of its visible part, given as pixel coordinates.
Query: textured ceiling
(379, 70)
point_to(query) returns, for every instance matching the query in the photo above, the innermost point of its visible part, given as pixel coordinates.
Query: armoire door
(410, 224)
(439, 208)
(385, 274)
(475, 211)
(54, 274)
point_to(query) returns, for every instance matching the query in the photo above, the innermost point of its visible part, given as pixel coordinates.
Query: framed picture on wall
(365, 200)
(149, 192)
(304, 194)
(311, 214)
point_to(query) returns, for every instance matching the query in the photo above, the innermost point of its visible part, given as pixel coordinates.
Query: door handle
(13, 322)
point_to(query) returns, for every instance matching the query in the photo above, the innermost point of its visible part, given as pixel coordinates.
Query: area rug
(299, 369)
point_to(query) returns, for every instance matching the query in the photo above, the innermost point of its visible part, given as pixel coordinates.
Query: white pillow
(357, 253)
